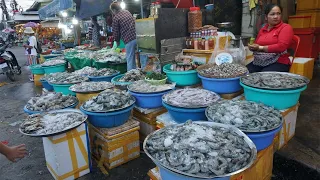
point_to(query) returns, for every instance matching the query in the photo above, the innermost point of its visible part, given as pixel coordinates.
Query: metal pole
(141, 6)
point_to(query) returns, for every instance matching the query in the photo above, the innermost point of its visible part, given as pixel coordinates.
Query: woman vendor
(272, 42)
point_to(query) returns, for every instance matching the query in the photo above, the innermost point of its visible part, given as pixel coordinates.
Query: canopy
(96, 7)
(54, 7)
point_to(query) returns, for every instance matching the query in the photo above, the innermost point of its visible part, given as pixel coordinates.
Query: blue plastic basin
(150, 100)
(103, 78)
(46, 85)
(115, 81)
(63, 88)
(108, 119)
(55, 69)
(182, 78)
(221, 86)
(264, 139)
(181, 115)
(279, 99)
(35, 69)
(38, 112)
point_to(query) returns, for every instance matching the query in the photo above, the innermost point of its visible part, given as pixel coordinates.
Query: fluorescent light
(136, 0)
(64, 14)
(75, 21)
(123, 5)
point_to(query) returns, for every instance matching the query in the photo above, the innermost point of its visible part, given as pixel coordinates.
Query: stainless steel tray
(290, 74)
(65, 130)
(240, 133)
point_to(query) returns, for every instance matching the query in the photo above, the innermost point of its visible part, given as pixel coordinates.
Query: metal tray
(245, 131)
(245, 137)
(57, 111)
(193, 107)
(111, 110)
(290, 74)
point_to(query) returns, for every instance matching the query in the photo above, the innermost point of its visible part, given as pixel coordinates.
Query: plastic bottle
(206, 45)
(196, 44)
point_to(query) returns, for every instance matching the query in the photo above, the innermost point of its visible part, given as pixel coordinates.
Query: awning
(54, 7)
(20, 17)
(96, 7)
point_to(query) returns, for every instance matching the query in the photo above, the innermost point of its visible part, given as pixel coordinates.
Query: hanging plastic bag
(242, 53)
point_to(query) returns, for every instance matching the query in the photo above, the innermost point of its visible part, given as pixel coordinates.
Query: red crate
(309, 42)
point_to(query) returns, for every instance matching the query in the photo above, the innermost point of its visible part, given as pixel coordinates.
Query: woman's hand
(253, 47)
(16, 152)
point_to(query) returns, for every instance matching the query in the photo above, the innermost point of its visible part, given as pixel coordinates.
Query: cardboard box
(303, 67)
(289, 127)
(67, 154)
(117, 149)
(260, 170)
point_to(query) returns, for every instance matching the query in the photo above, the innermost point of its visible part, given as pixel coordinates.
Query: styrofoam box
(68, 154)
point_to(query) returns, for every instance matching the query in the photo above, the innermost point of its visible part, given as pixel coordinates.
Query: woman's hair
(115, 7)
(269, 7)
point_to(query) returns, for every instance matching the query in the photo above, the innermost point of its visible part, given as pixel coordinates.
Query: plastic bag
(238, 52)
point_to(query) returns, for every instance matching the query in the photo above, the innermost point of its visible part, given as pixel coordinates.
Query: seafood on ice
(53, 62)
(133, 75)
(91, 86)
(146, 87)
(248, 116)
(274, 80)
(190, 98)
(103, 72)
(109, 100)
(50, 101)
(109, 55)
(225, 70)
(85, 71)
(65, 78)
(200, 150)
(52, 122)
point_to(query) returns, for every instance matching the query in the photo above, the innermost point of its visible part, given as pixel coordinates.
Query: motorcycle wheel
(19, 71)
(10, 75)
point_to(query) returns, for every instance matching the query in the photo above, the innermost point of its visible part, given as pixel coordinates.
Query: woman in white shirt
(31, 47)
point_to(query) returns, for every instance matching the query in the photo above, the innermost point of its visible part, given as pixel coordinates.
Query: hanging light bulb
(123, 5)
(64, 14)
(75, 21)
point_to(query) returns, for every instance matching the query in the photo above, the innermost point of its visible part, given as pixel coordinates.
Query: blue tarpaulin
(90, 8)
(55, 7)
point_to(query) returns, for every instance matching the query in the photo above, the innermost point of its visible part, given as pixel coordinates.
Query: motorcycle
(8, 63)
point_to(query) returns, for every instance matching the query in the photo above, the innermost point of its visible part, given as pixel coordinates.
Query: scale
(224, 57)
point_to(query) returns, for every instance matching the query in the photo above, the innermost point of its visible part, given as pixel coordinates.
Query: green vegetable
(156, 76)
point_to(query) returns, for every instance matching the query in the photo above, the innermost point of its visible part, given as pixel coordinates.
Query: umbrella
(31, 24)
(8, 30)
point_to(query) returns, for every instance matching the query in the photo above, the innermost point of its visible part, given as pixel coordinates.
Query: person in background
(30, 47)
(270, 48)
(123, 27)
(14, 152)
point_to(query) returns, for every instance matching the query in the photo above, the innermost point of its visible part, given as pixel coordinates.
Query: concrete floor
(298, 160)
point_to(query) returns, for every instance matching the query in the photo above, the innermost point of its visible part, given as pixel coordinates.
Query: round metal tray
(65, 130)
(236, 130)
(285, 73)
(111, 110)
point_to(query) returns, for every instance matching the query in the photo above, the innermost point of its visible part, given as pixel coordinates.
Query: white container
(67, 154)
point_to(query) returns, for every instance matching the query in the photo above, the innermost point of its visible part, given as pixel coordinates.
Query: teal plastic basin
(182, 78)
(63, 88)
(279, 99)
(55, 69)
(36, 69)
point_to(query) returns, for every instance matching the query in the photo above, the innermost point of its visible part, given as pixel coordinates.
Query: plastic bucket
(279, 99)
(182, 78)
(55, 69)
(46, 85)
(63, 88)
(150, 100)
(120, 85)
(36, 70)
(221, 86)
(103, 78)
(264, 139)
(209, 6)
(83, 97)
(181, 115)
(108, 119)
(37, 81)
(38, 112)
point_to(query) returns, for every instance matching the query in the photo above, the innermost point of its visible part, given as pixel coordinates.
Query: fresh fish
(85, 71)
(103, 72)
(53, 62)
(225, 70)
(146, 87)
(66, 78)
(248, 116)
(199, 149)
(190, 98)
(91, 86)
(133, 75)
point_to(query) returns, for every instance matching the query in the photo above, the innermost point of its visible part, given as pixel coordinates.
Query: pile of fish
(51, 122)
(190, 98)
(50, 101)
(200, 150)
(65, 78)
(91, 86)
(53, 62)
(246, 115)
(85, 71)
(133, 75)
(274, 80)
(146, 87)
(103, 72)
(109, 55)
(109, 100)
(222, 71)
